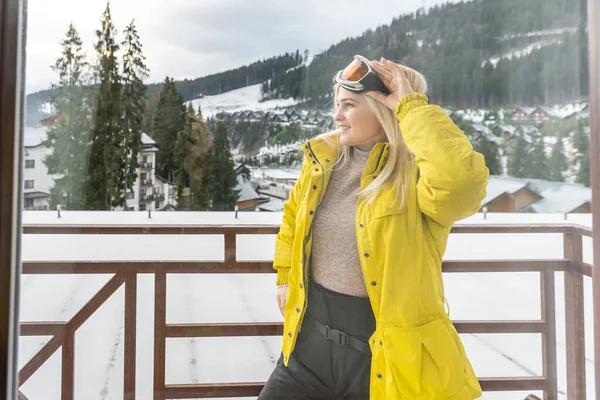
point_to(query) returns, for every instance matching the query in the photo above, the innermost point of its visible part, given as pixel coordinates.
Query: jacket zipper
(307, 238)
(356, 214)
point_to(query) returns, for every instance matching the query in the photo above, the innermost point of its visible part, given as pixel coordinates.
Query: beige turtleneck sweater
(334, 261)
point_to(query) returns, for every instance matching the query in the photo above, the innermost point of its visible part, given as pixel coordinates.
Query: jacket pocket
(425, 361)
(388, 205)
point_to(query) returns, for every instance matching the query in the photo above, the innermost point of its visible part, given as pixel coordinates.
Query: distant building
(149, 190)
(514, 195)
(248, 199)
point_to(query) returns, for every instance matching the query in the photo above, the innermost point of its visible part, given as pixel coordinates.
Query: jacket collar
(322, 152)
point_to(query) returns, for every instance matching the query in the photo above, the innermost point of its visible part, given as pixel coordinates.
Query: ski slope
(247, 98)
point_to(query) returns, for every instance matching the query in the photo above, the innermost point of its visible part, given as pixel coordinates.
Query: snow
(306, 63)
(518, 53)
(545, 32)
(498, 185)
(276, 173)
(34, 136)
(147, 139)
(247, 297)
(247, 98)
(562, 198)
(510, 129)
(246, 191)
(274, 205)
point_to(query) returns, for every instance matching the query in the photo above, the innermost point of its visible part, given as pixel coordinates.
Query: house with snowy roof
(522, 113)
(516, 195)
(149, 192)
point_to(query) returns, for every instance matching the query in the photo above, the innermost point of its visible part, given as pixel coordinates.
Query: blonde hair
(400, 163)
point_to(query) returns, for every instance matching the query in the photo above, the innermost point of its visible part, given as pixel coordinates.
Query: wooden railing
(125, 273)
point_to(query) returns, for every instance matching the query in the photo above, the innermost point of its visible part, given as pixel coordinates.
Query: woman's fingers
(282, 298)
(385, 75)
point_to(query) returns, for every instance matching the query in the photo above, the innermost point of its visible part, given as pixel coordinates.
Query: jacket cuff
(408, 103)
(282, 275)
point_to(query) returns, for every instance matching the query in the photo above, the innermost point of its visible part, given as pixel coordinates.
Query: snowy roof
(498, 186)
(274, 205)
(147, 139)
(481, 128)
(34, 136)
(247, 192)
(277, 173)
(507, 128)
(563, 199)
(163, 179)
(556, 111)
(35, 195)
(526, 110)
(487, 133)
(555, 197)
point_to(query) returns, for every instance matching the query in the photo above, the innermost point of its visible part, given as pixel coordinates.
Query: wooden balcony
(125, 274)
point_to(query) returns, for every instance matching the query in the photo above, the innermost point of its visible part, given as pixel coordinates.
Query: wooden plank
(129, 370)
(45, 328)
(549, 336)
(68, 366)
(247, 267)
(165, 229)
(574, 320)
(160, 322)
(276, 328)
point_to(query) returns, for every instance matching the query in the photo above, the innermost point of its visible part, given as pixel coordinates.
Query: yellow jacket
(416, 352)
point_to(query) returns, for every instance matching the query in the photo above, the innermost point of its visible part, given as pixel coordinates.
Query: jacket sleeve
(285, 238)
(452, 176)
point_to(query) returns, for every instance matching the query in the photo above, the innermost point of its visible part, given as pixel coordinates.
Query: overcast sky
(194, 38)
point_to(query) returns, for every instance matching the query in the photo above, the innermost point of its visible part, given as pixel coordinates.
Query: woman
(359, 252)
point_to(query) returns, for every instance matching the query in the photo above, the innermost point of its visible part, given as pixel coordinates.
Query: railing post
(129, 372)
(68, 365)
(549, 335)
(160, 322)
(574, 319)
(230, 247)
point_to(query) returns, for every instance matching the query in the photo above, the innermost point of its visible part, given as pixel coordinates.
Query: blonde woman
(359, 252)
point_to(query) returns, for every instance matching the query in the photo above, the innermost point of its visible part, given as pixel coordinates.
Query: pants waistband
(349, 314)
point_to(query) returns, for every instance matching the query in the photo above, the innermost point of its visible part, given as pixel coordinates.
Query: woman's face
(356, 121)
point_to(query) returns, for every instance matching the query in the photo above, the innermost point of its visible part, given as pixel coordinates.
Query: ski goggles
(359, 77)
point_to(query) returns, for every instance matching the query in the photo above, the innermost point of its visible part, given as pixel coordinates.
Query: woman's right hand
(282, 294)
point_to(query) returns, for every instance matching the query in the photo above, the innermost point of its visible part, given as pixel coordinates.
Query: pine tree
(168, 121)
(558, 162)
(581, 142)
(68, 141)
(491, 153)
(518, 156)
(537, 161)
(133, 100)
(193, 143)
(220, 174)
(105, 186)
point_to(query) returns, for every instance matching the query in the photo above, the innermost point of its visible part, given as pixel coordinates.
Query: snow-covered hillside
(247, 98)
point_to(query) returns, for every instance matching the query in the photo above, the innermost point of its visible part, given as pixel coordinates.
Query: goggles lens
(355, 71)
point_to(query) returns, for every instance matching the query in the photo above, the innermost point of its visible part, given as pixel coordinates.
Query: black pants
(318, 368)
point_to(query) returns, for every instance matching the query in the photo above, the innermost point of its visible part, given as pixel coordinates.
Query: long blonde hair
(400, 163)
